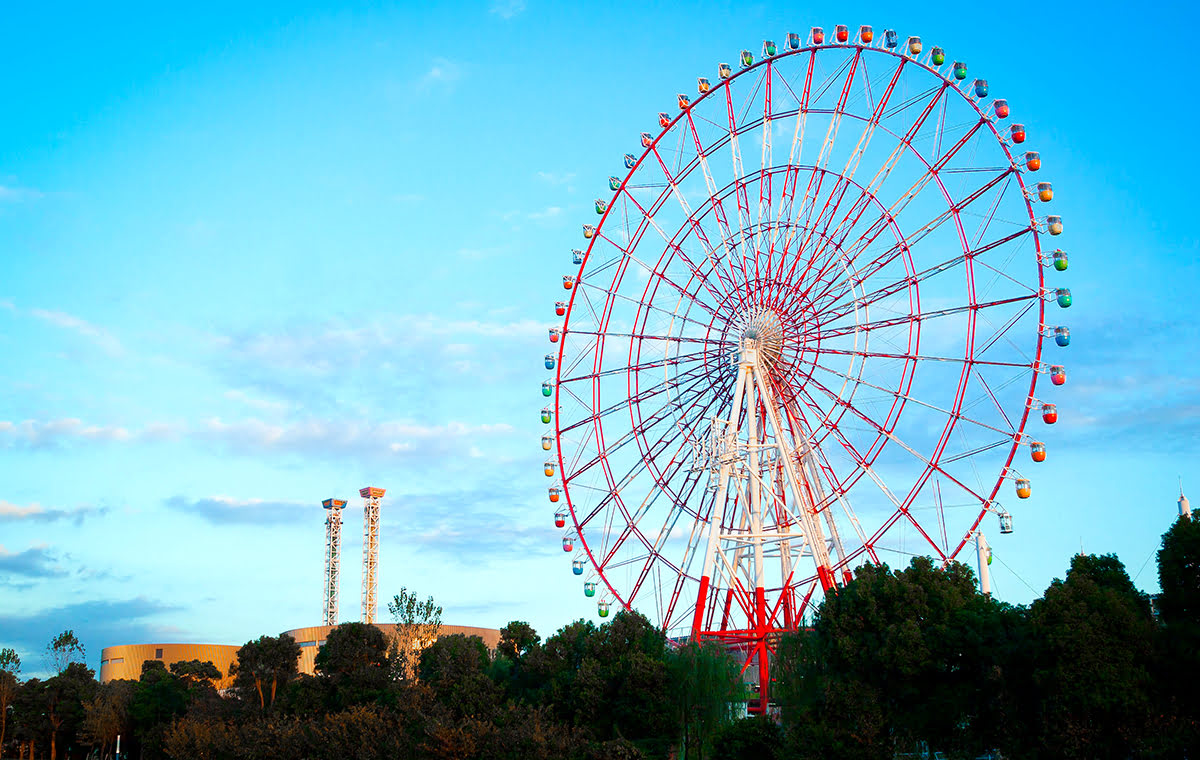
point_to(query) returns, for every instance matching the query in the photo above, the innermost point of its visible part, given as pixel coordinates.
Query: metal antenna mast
(372, 497)
(333, 556)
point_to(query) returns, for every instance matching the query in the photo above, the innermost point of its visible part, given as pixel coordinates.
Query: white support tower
(1185, 509)
(371, 499)
(984, 555)
(333, 557)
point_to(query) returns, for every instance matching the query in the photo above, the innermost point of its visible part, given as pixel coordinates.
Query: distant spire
(1185, 509)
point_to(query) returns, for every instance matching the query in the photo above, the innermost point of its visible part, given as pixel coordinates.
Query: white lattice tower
(333, 557)
(371, 499)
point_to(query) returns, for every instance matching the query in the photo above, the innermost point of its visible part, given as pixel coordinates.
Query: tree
(1179, 647)
(417, 626)
(455, 669)
(894, 660)
(757, 738)
(10, 667)
(355, 662)
(63, 649)
(29, 714)
(706, 685)
(517, 639)
(158, 699)
(63, 698)
(1092, 669)
(266, 664)
(106, 714)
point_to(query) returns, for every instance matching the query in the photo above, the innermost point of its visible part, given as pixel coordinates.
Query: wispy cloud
(253, 435)
(38, 434)
(10, 194)
(493, 520)
(34, 562)
(546, 214)
(442, 72)
(506, 8)
(98, 623)
(556, 178)
(224, 510)
(265, 405)
(35, 512)
(102, 338)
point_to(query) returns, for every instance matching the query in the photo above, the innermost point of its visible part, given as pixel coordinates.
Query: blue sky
(254, 258)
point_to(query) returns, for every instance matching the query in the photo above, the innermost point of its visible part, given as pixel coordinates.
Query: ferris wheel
(805, 332)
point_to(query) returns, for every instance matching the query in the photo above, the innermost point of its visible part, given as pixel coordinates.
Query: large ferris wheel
(806, 333)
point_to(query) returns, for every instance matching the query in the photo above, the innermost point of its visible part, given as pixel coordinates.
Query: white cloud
(17, 194)
(308, 436)
(442, 72)
(256, 403)
(556, 178)
(102, 338)
(35, 512)
(506, 8)
(546, 214)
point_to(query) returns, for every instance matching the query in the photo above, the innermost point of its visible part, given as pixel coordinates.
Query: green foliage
(454, 668)
(706, 692)
(913, 656)
(417, 626)
(63, 649)
(1178, 725)
(757, 738)
(1093, 665)
(106, 714)
(10, 661)
(196, 671)
(10, 666)
(355, 660)
(264, 665)
(517, 639)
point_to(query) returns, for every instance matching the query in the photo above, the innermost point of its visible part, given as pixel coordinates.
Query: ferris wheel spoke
(891, 436)
(826, 152)
(925, 358)
(795, 154)
(855, 159)
(604, 454)
(611, 292)
(765, 194)
(1002, 331)
(919, 402)
(652, 364)
(888, 218)
(714, 198)
(695, 374)
(696, 228)
(747, 247)
(648, 218)
(914, 318)
(830, 297)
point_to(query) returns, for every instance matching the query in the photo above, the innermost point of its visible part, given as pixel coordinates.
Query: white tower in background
(372, 497)
(1185, 509)
(984, 554)
(333, 557)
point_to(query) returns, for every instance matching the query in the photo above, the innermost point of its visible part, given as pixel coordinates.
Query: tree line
(908, 663)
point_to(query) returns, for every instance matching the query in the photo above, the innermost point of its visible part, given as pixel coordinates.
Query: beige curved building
(125, 661)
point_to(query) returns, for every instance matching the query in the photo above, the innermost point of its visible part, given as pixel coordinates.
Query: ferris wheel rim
(768, 62)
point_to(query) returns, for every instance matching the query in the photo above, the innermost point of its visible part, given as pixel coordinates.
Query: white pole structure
(333, 557)
(1185, 509)
(984, 554)
(768, 500)
(372, 497)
